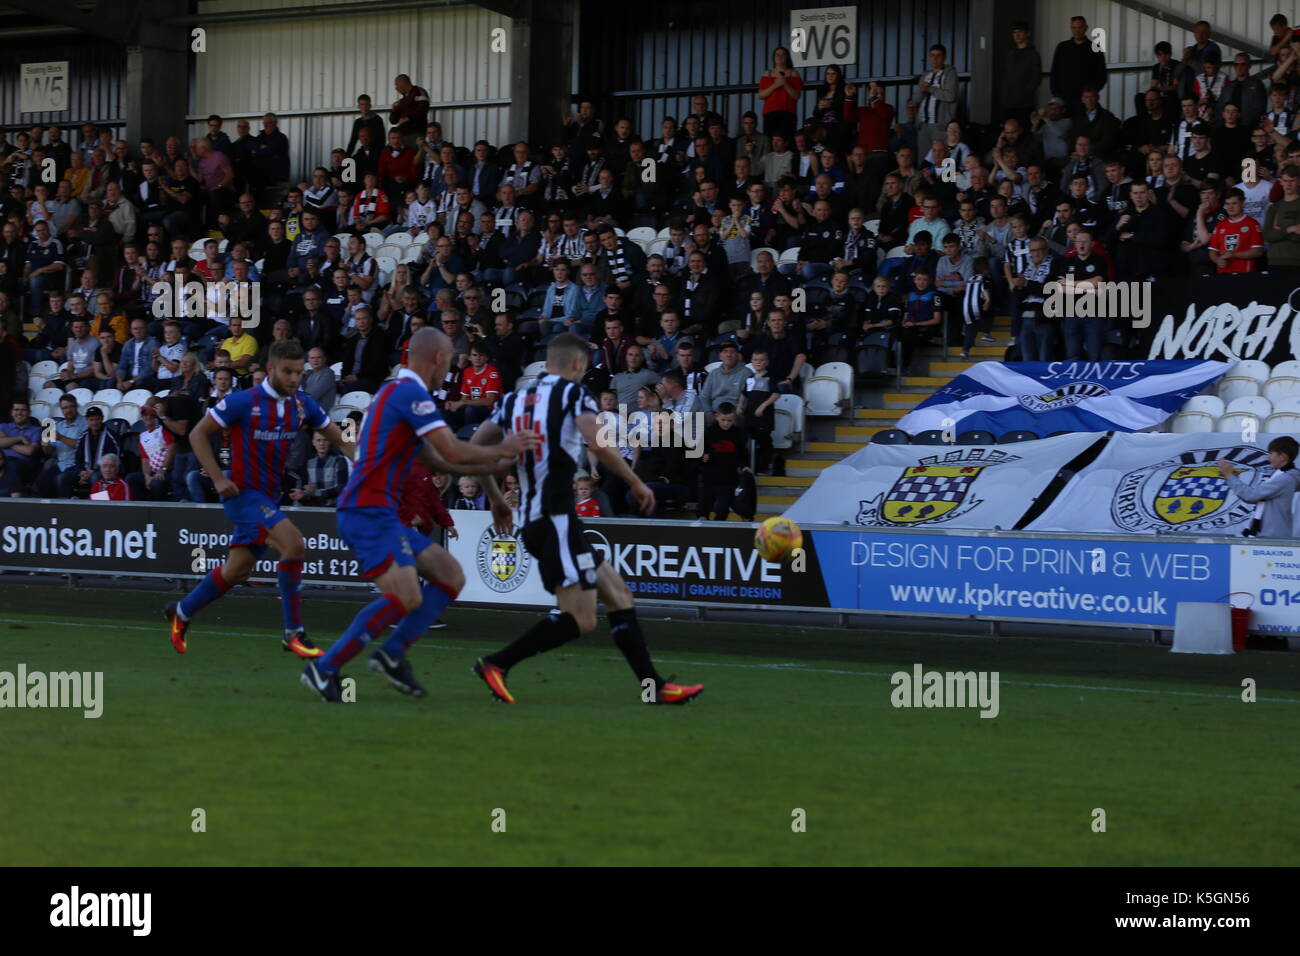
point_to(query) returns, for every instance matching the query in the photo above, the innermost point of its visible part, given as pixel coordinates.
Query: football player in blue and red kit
(260, 425)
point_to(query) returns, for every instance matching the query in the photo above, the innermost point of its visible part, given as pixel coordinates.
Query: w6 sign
(824, 36)
(44, 87)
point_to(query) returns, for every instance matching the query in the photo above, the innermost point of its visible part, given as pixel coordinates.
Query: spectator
(109, 485)
(480, 387)
(63, 447)
(1022, 74)
(584, 497)
(1237, 243)
(784, 353)
(79, 369)
(1075, 65)
(326, 473)
(722, 464)
(779, 89)
(20, 439)
(676, 397)
(936, 98)
(241, 346)
(756, 406)
(634, 376)
(1282, 225)
(45, 264)
(365, 356)
(157, 454)
(1274, 496)
(470, 497)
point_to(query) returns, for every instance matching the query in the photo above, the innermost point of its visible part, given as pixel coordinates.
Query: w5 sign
(44, 87)
(824, 36)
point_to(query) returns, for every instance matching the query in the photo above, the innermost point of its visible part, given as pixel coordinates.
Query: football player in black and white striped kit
(557, 407)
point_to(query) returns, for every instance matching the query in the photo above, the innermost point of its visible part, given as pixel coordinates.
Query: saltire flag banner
(1048, 397)
(1161, 484)
(937, 486)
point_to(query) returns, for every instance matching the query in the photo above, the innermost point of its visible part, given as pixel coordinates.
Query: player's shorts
(564, 555)
(254, 515)
(379, 539)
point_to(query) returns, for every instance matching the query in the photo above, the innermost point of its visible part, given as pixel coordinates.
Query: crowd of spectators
(668, 253)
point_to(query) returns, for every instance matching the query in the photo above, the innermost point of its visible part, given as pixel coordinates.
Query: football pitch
(581, 772)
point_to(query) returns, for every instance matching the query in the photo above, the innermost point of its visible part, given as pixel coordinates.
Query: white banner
(937, 486)
(1160, 484)
(44, 87)
(824, 36)
(498, 570)
(1271, 576)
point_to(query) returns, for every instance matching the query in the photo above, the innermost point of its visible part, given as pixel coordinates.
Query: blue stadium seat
(890, 436)
(976, 436)
(931, 437)
(1010, 438)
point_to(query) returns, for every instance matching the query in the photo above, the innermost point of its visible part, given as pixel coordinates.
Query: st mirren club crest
(1186, 493)
(1064, 397)
(934, 490)
(502, 561)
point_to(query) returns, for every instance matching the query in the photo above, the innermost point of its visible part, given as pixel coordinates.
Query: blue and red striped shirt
(402, 413)
(261, 425)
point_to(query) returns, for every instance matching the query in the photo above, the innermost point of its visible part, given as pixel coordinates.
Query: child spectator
(756, 401)
(471, 497)
(585, 503)
(722, 464)
(735, 231)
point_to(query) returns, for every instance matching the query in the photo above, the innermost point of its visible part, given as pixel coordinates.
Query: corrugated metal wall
(1131, 36)
(96, 82)
(696, 44)
(320, 65)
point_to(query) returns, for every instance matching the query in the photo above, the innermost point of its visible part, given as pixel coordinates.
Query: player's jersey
(402, 413)
(261, 426)
(550, 407)
(1239, 236)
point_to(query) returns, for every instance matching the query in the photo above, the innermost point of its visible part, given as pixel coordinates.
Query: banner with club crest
(937, 486)
(1161, 484)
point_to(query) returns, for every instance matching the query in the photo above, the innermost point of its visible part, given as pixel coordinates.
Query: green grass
(792, 718)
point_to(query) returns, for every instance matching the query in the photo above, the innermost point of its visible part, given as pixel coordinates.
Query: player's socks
(627, 635)
(289, 575)
(558, 627)
(366, 626)
(205, 592)
(436, 597)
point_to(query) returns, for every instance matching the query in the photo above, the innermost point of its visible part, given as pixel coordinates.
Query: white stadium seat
(663, 233)
(1282, 423)
(373, 241)
(787, 421)
(1249, 368)
(1186, 423)
(1255, 405)
(789, 257)
(343, 238)
(642, 234)
(1289, 367)
(524, 381)
(873, 226)
(535, 369)
(1287, 405)
(47, 369)
(413, 252)
(337, 369)
(1280, 386)
(1231, 388)
(41, 411)
(829, 389)
(391, 250)
(402, 239)
(657, 247)
(129, 411)
(50, 396)
(358, 400)
(896, 253)
(339, 413)
(34, 386)
(1210, 405)
(137, 396)
(196, 249)
(102, 405)
(1236, 422)
(753, 256)
(223, 245)
(82, 395)
(712, 366)
(109, 396)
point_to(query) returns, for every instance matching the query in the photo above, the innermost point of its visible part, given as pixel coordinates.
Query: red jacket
(117, 491)
(419, 498)
(403, 164)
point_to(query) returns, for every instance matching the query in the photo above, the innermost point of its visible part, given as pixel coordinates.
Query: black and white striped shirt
(550, 407)
(1017, 254)
(972, 304)
(322, 197)
(619, 267)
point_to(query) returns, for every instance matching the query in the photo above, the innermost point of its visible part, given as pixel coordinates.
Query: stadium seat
(339, 413)
(788, 421)
(82, 395)
(1011, 438)
(619, 232)
(196, 249)
(412, 253)
(386, 266)
(137, 396)
(358, 400)
(535, 369)
(163, 394)
(789, 257)
(1231, 387)
(223, 245)
(373, 241)
(1239, 422)
(391, 250)
(1289, 367)
(34, 386)
(1280, 386)
(117, 427)
(896, 253)
(50, 396)
(1187, 423)
(1210, 405)
(1283, 423)
(753, 256)
(873, 226)
(128, 411)
(523, 381)
(642, 234)
(890, 436)
(1250, 369)
(976, 436)
(47, 369)
(712, 366)
(931, 437)
(830, 389)
(402, 239)
(1256, 405)
(656, 248)
(664, 233)
(41, 411)
(337, 369)
(259, 265)
(109, 396)
(99, 403)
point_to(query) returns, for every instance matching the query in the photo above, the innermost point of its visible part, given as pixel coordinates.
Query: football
(776, 538)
